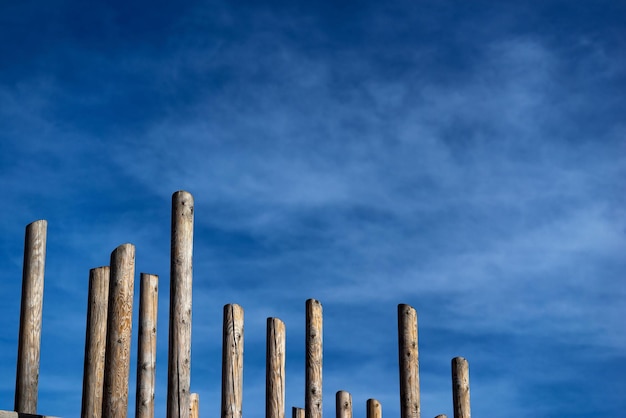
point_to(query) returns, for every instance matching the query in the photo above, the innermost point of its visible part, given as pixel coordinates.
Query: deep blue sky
(467, 158)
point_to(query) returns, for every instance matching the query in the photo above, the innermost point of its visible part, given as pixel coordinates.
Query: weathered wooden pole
(275, 369)
(297, 412)
(408, 362)
(374, 409)
(146, 350)
(314, 350)
(343, 404)
(194, 405)
(460, 388)
(95, 342)
(179, 352)
(119, 330)
(232, 361)
(29, 340)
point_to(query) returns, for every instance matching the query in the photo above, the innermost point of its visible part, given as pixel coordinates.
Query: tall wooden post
(314, 350)
(460, 388)
(179, 352)
(232, 362)
(374, 409)
(194, 407)
(95, 342)
(408, 362)
(275, 369)
(146, 352)
(29, 340)
(297, 412)
(343, 404)
(119, 330)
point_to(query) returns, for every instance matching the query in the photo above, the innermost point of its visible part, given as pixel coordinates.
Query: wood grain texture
(460, 388)
(232, 362)
(343, 404)
(297, 412)
(29, 340)
(408, 359)
(314, 351)
(146, 349)
(194, 405)
(275, 369)
(374, 409)
(119, 330)
(181, 271)
(95, 342)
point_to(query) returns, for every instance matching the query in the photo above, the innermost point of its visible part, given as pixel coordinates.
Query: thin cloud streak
(482, 188)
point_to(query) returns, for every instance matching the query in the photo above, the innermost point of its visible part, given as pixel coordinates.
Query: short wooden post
(29, 340)
(119, 330)
(460, 388)
(95, 342)
(146, 350)
(343, 404)
(194, 405)
(314, 350)
(179, 350)
(297, 412)
(232, 362)
(374, 409)
(408, 362)
(275, 369)
(441, 416)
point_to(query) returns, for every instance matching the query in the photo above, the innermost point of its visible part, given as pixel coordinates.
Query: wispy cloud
(476, 178)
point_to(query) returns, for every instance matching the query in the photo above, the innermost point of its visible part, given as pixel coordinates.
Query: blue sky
(466, 158)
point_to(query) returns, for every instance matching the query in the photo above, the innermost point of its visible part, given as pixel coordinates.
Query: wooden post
(146, 351)
(29, 340)
(297, 412)
(314, 349)
(179, 350)
(343, 404)
(460, 388)
(194, 405)
(374, 409)
(95, 342)
(408, 362)
(232, 361)
(275, 369)
(119, 330)
(441, 416)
